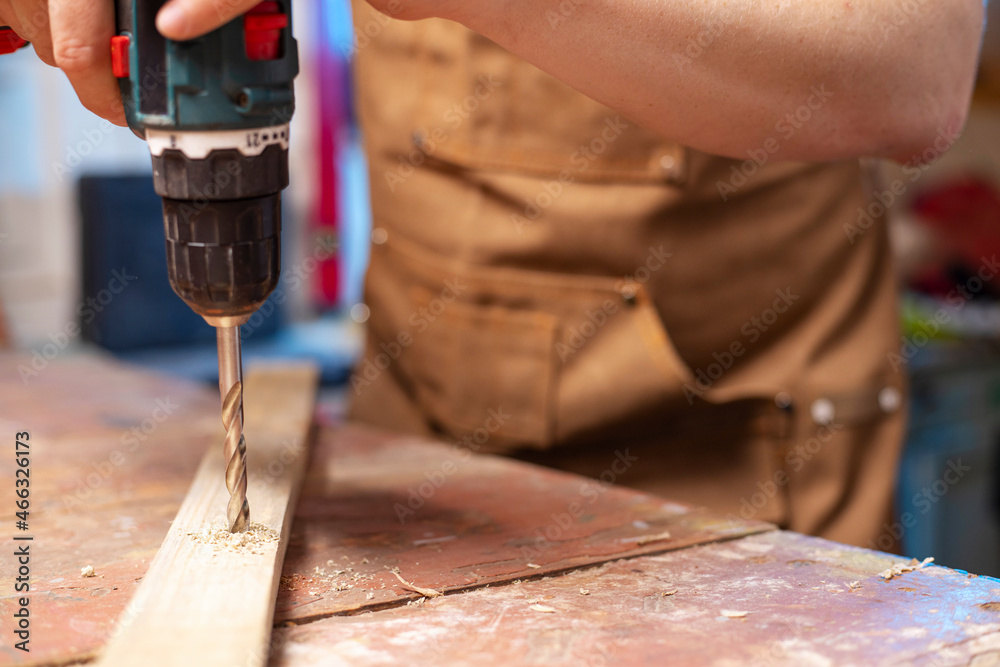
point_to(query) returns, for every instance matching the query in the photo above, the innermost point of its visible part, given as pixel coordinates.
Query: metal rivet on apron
(822, 411)
(360, 313)
(783, 400)
(629, 294)
(667, 162)
(889, 399)
(379, 236)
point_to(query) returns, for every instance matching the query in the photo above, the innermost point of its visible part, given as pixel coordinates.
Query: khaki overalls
(552, 281)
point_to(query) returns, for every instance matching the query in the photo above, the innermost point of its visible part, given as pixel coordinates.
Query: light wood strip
(200, 604)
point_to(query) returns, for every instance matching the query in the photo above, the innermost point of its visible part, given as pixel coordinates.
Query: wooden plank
(199, 604)
(775, 598)
(450, 520)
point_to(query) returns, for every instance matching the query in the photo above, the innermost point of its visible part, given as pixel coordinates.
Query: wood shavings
(646, 539)
(545, 609)
(254, 539)
(902, 568)
(854, 585)
(534, 566)
(584, 591)
(426, 592)
(729, 613)
(87, 571)
(670, 592)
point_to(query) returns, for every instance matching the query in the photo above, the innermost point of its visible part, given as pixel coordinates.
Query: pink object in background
(331, 86)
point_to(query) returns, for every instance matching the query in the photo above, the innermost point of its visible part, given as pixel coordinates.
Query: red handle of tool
(10, 41)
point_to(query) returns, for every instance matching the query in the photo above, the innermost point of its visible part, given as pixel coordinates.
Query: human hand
(75, 36)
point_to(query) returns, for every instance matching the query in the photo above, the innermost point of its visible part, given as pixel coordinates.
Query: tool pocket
(485, 371)
(527, 358)
(842, 459)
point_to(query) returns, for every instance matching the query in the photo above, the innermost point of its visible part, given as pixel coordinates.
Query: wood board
(776, 599)
(83, 411)
(375, 501)
(201, 604)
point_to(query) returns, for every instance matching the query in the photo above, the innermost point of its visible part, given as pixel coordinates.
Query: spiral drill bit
(235, 448)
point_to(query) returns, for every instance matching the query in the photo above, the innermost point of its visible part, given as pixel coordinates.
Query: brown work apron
(551, 281)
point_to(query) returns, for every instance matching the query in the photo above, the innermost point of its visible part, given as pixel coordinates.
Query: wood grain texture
(450, 520)
(774, 599)
(202, 605)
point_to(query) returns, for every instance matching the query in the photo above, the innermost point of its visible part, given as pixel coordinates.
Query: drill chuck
(222, 219)
(223, 257)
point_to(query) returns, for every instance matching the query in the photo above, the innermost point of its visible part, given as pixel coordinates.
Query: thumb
(187, 19)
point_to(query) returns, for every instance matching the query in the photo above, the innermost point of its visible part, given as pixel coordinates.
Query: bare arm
(878, 77)
(874, 77)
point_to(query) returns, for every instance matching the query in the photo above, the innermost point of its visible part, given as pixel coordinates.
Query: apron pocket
(537, 359)
(485, 372)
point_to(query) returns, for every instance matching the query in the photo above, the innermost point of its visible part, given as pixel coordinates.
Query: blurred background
(82, 264)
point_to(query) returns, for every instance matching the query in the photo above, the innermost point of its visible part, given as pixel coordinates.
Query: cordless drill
(215, 111)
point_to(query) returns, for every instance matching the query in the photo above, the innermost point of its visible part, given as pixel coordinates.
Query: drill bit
(235, 448)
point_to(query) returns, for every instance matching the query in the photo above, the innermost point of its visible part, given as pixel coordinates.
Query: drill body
(214, 112)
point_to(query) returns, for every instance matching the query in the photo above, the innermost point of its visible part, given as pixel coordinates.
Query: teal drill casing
(207, 83)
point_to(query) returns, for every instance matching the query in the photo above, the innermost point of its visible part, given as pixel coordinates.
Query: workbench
(534, 566)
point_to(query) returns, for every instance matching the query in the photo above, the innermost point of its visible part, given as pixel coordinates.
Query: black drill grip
(223, 256)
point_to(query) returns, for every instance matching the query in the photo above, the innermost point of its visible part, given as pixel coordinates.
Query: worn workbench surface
(537, 567)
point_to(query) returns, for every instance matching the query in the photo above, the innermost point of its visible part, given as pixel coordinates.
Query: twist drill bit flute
(215, 111)
(235, 449)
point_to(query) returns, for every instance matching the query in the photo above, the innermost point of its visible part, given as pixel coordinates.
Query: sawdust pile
(252, 540)
(901, 568)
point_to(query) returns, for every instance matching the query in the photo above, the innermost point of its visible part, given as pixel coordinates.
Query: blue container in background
(948, 496)
(127, 302)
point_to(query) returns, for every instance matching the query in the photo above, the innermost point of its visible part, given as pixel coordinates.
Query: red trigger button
(119, 56)
(262, 27)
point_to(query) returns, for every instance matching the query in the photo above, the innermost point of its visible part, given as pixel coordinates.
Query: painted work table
(408, 552)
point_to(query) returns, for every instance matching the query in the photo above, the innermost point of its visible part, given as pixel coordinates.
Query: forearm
(722, 75)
